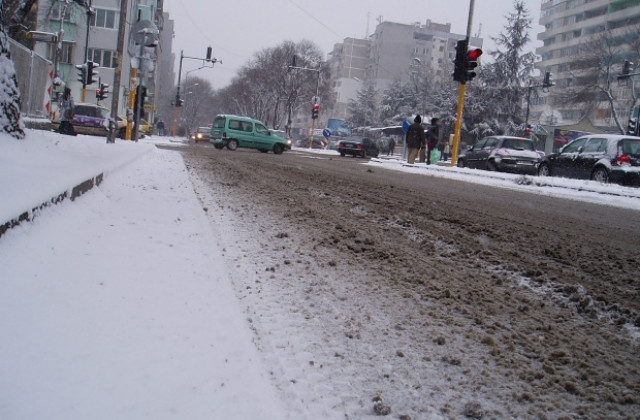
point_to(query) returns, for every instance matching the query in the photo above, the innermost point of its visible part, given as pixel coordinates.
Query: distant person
(67, 107)
(392, 145)
(415, 139)
(160, 127)
(433, 135)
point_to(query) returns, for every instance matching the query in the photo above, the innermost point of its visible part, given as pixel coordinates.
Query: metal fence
(34, 75)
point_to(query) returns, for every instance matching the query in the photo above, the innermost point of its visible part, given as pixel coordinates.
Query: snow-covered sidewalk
(117, 305)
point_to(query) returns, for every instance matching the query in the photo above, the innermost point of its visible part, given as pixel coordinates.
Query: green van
(233, 131)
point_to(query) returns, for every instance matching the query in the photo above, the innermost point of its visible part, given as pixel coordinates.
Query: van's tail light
(622, 160)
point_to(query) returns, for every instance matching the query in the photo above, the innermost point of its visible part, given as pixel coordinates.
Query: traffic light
(293, 63)
(527, 130)
(626, 70)
(633, 127)
(315, 111)
(209, 52)
(460, 62)
(82, 72)
(141, 93)
(91, 72)
(178, 101)
(102, 92)
(472, 63)
(546, 82)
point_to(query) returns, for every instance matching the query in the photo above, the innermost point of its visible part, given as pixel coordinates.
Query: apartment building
(568, 25)
(90, 33)
(395, 51)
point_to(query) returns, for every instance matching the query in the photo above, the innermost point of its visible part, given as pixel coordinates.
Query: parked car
(93, 119)
(600, 157)
(201, 134)
(357, 146)
(502, 153)
(233, 131)
(145, 127)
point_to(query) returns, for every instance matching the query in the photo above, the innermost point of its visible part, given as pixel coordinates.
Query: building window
(55, 13)
(104, 58)
(65, 54)
(104, 18)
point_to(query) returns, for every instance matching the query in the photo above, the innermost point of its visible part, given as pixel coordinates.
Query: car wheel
(122, 132)
(491, 166)
(544, 170)
(342, 154)
(461, 163)
(278, 149)
(600, 174)
(232, 144)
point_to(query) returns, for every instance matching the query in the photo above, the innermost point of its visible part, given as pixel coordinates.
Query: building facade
(89, 32)
(568, 25)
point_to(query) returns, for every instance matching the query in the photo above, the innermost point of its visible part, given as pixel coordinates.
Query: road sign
(326, 133)
(405, 126)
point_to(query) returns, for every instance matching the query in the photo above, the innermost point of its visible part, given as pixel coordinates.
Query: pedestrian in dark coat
(415, 139)
(67, 108)
(392, 145)
(433, 134)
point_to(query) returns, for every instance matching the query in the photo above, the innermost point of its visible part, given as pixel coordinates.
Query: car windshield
(203, 129)
(518, 144)
(631, 147)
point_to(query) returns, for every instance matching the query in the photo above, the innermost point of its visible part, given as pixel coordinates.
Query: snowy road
(443, 298)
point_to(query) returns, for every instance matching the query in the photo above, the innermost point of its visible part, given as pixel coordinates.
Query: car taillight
(622, 160)
(340, 145)
(359, 147)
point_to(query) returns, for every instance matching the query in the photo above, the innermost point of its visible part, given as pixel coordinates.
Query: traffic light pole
(463, 86)
(313, 120)
(176, 104)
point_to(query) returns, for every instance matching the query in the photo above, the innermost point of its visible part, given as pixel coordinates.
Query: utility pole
(113, 120)
(86, 47)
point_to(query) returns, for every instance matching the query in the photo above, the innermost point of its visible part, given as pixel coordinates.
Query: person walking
(415, 139)
(433, 134)
(67, 107)
(392, 145)
(160, 127)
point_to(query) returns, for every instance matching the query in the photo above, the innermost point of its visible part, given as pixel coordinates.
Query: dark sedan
(358, 146)
(599, 157)
(502, 153)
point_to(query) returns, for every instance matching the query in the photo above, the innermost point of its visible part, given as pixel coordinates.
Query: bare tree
(266, 88)
(198, 95)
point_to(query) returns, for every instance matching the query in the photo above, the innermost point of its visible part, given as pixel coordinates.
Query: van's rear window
(218, 122)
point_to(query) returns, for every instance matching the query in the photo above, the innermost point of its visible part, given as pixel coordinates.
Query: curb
(75, 192)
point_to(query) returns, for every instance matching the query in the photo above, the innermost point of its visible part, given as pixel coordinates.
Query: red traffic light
(473, 55)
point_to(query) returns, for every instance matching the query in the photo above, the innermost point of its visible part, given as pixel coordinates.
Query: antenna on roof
(366, 34)
(479, 30)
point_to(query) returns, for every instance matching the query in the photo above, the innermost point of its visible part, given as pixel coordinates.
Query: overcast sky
(236, 29)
